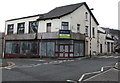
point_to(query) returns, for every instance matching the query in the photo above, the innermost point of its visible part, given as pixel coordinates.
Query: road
(53, 69)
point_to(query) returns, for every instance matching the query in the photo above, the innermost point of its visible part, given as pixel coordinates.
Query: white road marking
(88, 74)
(55, 61)
(116, 57)
(25, 66)
(60, 61)
(51, 62)
(108, 57)
(97, 75)
(102, 69)
(11, 67)
(64, 60)
(40, 60)
(45, 63)
(36, 65)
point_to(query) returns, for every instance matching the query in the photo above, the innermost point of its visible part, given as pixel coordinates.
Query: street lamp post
(90, 32)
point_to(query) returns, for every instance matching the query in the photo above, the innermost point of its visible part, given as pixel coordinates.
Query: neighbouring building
(1, 43)
(101, 40)
(67, 31)
(115, 34)
(106, 42)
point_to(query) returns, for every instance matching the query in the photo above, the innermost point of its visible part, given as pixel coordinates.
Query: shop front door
(64, 50)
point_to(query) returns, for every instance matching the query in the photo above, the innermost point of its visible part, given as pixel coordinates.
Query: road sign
(90, 38)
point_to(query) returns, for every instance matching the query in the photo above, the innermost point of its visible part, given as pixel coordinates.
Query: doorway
(65, 50)
(100, 48)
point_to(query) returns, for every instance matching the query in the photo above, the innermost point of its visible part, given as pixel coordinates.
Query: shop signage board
(64, 34)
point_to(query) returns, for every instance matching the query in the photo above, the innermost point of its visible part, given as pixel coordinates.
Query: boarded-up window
(10, 29)
(33, 26)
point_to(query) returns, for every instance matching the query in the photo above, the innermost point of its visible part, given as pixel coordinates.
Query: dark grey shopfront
(49, 45)
(61, 48)
(45, 48)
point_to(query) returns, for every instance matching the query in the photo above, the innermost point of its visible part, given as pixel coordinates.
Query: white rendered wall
(110, 41)
(15, 22)
(78, 17)
(102, 40)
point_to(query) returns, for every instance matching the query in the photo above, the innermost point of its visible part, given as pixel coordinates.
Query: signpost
(90, 38)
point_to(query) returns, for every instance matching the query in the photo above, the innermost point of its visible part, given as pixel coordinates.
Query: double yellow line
(10, 64)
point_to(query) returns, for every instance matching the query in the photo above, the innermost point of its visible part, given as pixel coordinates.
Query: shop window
(62, 48)
(15, 48)
(34, 47)
(43, 48)
(22, 48)
(56, 49)
(56, 54)
(21, 27)
(66, 48)
(10, 29)
(12, 47)
(81, 49)
(65, 26)
(76, 49)
(71, 48)
(33, 26)
(8, 47)
(50, 48)
(28, 48)
(71, 54)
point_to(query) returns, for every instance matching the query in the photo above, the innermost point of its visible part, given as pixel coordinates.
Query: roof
(23, 17)
(112, 31)
(100, 30)
(65, 10)
(59, 12)
(109, 38)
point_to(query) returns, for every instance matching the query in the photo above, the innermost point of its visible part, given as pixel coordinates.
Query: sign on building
(64, 34)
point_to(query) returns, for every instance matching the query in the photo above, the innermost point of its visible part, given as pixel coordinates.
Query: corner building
(64, 32)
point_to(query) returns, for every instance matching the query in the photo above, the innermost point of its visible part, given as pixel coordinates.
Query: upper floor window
(93, 32)
(10, 29)
(86, 16)
(78, 27)
(21, 27)
(33, 26)
(65, 26)
(48, 27)
(86, 31)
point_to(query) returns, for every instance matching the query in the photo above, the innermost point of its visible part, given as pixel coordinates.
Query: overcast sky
(105, 11)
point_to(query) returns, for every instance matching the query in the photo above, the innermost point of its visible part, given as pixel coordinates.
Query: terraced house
(66, 31)
(106, 42)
